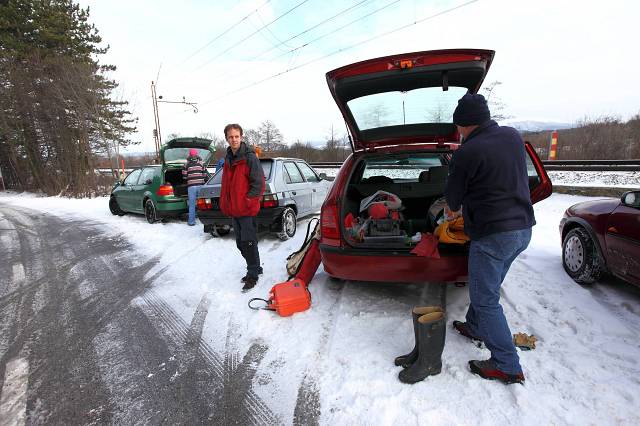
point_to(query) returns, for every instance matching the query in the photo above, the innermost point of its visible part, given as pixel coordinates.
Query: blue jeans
(489, 260)
(193, 192)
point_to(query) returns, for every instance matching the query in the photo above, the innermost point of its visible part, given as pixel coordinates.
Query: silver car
(293, 190)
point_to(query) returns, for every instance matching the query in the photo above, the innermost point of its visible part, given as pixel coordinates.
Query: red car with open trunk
(399, 113)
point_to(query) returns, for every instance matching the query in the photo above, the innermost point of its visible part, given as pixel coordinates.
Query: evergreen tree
(57, 110)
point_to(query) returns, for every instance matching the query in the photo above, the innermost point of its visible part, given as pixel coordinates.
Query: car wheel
(115, 207)
(220, 231)
(580, 257)
(150, 211)
(288, 220)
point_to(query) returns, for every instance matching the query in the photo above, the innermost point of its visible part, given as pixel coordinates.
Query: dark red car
(602, 236)
(399, 111)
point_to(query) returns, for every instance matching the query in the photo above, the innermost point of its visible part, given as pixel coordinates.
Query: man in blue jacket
(488, 179)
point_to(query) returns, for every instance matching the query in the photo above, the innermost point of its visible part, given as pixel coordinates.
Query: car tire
(220, 231)
(150, 211)
(580, 257)
(114, 207)
(288, 222)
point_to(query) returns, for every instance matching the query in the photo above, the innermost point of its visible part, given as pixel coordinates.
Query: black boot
(417, 312)
(431, 335)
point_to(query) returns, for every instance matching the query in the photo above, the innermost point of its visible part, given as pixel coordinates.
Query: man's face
(234, 138)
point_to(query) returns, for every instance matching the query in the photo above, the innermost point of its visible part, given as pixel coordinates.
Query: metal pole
(156, 117)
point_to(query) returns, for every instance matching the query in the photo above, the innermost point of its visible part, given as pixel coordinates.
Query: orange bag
(286, 298)
(451, 232)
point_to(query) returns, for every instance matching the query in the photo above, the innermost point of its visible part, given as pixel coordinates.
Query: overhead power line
(332, 32)
(312, 28)
(251, 35)
(232, 26)
(342, 50)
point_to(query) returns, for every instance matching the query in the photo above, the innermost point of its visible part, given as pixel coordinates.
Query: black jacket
(488, 177)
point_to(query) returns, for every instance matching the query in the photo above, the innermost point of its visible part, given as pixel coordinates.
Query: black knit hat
(472, 109)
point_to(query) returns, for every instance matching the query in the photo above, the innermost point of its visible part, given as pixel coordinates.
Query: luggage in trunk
(174, 177)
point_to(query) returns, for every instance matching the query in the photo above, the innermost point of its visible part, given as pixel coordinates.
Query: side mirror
(631, 199)
(117, 183)
(148, 181)
(323, 176)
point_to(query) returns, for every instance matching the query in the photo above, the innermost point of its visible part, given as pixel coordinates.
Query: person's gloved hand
(451, 215)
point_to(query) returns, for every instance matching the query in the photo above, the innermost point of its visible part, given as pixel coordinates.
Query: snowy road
(165, 335)
(92, 355)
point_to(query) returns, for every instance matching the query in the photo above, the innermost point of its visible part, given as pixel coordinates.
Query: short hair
(232, 126)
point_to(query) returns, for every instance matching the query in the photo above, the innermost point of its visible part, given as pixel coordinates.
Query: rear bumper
(266, 217)
(348, 264)
(171, 207)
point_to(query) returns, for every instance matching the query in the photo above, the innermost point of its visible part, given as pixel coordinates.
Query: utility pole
(157, 136)
(156, 132)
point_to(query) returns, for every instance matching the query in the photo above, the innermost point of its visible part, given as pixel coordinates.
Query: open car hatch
(407, 98)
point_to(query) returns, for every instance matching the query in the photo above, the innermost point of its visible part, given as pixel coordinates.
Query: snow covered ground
(585, 369)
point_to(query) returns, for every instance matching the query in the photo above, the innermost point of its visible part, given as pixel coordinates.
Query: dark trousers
(489, 260)
(245, 230)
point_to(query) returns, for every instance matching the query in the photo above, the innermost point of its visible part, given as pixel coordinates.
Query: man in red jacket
(242, 188)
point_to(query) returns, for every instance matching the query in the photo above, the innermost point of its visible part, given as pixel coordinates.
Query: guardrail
(549, 165)
(554, 165)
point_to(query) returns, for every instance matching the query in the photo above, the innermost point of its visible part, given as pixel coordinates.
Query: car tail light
(164, 190)
(269, 201)
(330, 225)
(203, 204)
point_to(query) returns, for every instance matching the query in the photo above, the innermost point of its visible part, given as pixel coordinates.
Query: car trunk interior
(421, 190)
(174, 177)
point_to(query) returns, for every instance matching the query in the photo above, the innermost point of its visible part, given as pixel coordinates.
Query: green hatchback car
(159, 191)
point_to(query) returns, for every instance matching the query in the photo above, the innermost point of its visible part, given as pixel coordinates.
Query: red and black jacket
(243, 183)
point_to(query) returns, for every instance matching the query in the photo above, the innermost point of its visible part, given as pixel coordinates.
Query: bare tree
(270, 138)
(496, 106)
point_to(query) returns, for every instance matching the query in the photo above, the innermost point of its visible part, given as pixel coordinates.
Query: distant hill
(537, 126)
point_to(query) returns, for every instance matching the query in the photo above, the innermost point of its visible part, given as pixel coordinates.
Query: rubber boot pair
(426, 357)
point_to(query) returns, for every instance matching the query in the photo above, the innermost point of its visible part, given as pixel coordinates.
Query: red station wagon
(399, 111)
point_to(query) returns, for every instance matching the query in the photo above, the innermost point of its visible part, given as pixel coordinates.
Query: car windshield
(400, 168)
(181, 154)
(266, 169)
(424, 105)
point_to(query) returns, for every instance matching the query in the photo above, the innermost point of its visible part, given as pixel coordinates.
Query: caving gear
(431, 337)
(525, 341)
(452, 232)
(286, 298)
(408, 359)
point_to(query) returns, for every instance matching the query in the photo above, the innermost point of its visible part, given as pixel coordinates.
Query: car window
(399, 168)
(181, 154)
(266, 169)
(132, 179)
(292, 174)
(423, 105)
(147, 174)
(308, 173)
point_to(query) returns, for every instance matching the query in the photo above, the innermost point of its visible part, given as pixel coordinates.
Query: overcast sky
(557, 60)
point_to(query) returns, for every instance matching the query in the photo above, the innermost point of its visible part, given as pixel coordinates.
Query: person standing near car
(488, 179)
(243, 184)
(195, 174)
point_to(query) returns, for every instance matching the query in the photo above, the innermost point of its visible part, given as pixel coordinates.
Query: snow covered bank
(585, 369)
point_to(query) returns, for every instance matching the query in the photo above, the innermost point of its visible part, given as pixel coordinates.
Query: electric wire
(251, 35)
(342, 50)
(232, 26)
(236, 74)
